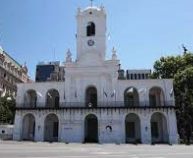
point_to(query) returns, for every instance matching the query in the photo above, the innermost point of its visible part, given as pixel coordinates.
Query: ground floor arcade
(104, 125)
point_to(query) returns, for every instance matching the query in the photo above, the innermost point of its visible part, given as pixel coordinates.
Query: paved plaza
(60, 150)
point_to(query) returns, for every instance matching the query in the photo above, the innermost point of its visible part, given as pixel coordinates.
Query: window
(90, 29)
(152, 99)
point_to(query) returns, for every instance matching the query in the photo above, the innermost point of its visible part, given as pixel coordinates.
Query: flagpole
(103, 96)
(115, 97)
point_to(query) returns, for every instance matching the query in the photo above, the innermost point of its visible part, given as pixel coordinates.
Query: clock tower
(91, 33)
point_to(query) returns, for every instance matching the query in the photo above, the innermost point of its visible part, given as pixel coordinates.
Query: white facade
(92, 104)
(6, 132)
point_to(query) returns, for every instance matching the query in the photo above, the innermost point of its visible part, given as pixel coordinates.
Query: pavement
(11, 149)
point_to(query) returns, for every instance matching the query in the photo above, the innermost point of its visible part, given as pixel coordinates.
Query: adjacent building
(97, 101)
(49, 71)
(11, 73)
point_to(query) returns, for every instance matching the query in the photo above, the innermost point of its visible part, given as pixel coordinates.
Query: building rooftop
(9, 58)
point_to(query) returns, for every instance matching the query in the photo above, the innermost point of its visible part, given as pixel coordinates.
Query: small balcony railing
(100, 105)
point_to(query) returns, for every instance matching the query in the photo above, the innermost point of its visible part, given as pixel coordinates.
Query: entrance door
(91, 129)
(55, 130)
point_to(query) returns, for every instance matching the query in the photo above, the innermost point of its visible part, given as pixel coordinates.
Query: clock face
(90, 42)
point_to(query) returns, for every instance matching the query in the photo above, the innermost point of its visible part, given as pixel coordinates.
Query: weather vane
(91, 3)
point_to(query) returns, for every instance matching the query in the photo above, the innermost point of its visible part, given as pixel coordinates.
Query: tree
(7, 110)
(180, 68)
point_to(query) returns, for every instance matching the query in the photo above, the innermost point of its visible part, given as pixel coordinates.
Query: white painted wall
(6, 132)
(91, 69)
(71, 124)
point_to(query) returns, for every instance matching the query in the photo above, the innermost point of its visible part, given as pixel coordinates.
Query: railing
(100, 105)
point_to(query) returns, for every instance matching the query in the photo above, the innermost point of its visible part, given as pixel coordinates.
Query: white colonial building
(97, 102)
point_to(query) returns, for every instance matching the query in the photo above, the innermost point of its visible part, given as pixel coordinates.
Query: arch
(91, 128)
(90, 29)
(159, 129)
(30, 98)
(132, 128)
(51, 128)
(91, 97)
(156, 96)
(52, 98)
(131, 97)
(28, 127)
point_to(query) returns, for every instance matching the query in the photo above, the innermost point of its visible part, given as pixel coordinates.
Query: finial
(24, 67)
(102, 7)
(68, 56)
(114, 54)
(78, 9)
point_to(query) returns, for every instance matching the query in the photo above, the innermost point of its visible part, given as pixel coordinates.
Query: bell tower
(91, 33)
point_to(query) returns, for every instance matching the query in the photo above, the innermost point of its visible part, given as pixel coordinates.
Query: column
(172, 128)
(145, 127)
(17, 131)
(39, 129)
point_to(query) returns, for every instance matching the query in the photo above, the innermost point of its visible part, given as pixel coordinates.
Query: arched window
(159, 130)
(132, 128)
(52, 98)
(51, 126)
(28, 127)
(91, 97)
(90, 29)
(156, 97)
(131, 97)
(30, 98)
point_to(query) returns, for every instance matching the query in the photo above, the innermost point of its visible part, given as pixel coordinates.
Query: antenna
(54, 54)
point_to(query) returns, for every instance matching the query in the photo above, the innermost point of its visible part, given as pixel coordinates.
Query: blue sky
(141, 30)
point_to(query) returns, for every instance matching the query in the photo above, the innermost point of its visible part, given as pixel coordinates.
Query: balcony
(100, 105)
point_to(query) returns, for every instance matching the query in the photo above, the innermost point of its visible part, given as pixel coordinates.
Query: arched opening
(91, 97)
(91, 129)
(52, 98)
(30, 99)
(132, 129)
(90, 29)
(51, 126)
(159, 130)
(156, 97)
(28, 128)
(131, 97)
